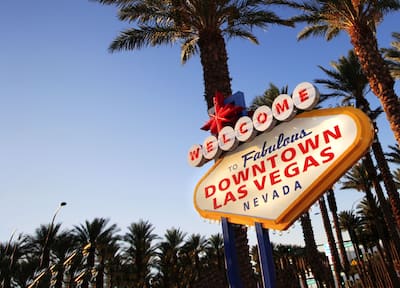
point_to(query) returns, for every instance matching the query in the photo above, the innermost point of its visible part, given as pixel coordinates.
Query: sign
(278, 175)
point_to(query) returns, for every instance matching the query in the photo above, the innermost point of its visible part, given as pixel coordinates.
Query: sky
(109, 133)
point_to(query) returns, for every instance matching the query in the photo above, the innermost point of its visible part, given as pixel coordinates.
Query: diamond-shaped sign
(279, 174)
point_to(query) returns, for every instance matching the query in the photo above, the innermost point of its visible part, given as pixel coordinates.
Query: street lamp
(46, 243)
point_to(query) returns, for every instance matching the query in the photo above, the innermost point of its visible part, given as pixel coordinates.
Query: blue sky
(109, 133)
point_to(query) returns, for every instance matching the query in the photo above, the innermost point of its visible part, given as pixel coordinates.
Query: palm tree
(268, 96)
(215, 257)
(350, 222)
(141, 251)
(347, 80)
(396, 178)
(98, 234)
(201, 26)
(192, 255)
(41, 245)
(12, 255)
(64, 244)
(394, 155)
(169, 267)
(370, 218)
(359, 20)
(392, 56)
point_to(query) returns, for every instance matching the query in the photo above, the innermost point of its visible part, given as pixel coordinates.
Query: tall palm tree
(41, 245)
(392, 56)
(201, 26)
(350, 222)
(64, 244)
(98, 233)
(12, 255)
(370, 218)
(359, 20)
(347, 81)
(216, 273)
(193, 254)
(168, 262)
(141, 251)
(394, 154)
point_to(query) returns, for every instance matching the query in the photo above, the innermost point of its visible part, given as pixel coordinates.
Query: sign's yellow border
(363, 140)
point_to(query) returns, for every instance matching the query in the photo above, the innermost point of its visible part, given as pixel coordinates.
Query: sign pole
(232, 265)
(266, 259)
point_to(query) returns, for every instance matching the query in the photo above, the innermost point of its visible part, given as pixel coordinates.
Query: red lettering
(241, 176)
(292, 170)
(242, 191)
(207, 191)
(335, 135)
(229, 197)
(281, 108)
(327, 155)
(309, 161)
(272, 160)
(275, 177)
(256, 168)
(258, 185)
(309, 143)
(194, 154)
(224, 184)
(225, 139)
(215, 204)
(303, 95)
(209, 146)
(291, 156)
(262, 118)
(241, 130)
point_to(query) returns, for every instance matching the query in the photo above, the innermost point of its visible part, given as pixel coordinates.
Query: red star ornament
(223, 114)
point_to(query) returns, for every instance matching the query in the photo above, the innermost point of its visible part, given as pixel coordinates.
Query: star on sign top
(223, 114)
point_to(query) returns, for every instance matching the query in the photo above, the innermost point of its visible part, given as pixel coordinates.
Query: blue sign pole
(266, 258)
(232, 265)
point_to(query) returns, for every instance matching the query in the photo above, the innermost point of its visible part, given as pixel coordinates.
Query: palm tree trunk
(331, 241)
(342, 249)
(214, 61)
(100, 275)
(321, 275)
(243, 256)
(390, 186)
(60, 276)
(378, 75)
